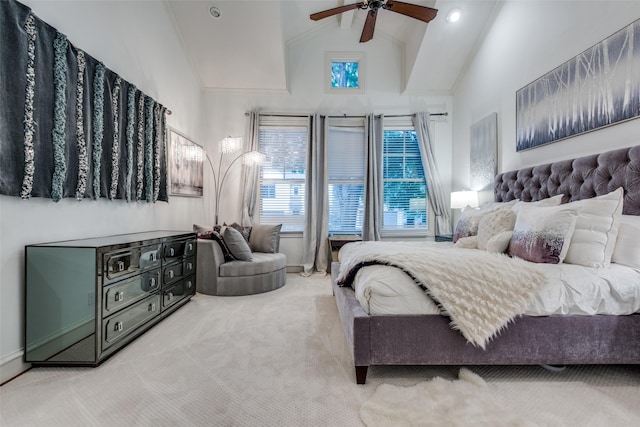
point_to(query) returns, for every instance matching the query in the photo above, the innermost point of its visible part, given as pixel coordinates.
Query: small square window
(344, 72)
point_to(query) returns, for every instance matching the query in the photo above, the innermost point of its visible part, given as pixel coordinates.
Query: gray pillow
(236, 244)
(265, 238)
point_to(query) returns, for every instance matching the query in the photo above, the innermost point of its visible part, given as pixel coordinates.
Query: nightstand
(444, 238)
(336, 242)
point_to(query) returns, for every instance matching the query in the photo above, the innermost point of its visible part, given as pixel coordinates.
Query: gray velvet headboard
(577, 179)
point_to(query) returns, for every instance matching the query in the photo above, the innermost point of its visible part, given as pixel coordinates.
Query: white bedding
(570, 289)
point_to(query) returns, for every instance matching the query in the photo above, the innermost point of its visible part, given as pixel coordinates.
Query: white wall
(528, 39)
(384, 82)
(134, 39)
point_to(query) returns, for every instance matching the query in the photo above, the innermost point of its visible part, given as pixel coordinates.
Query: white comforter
(569, 290)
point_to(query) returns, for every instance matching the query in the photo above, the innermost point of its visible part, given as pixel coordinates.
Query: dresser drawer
(131, 261)
(175, 250)
(126, 321)
(124, 293)
(174, 272)
(178, 292)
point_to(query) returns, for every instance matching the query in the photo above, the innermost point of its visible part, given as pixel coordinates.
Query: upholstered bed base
(553, 340)
(429, 340)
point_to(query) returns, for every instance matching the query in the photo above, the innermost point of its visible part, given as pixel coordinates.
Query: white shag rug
(470, 401)
(439, 402)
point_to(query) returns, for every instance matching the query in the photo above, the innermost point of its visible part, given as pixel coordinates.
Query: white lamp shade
(462, 199)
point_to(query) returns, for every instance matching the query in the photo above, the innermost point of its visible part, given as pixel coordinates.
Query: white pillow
(468, 223)
(500, 242)
(596, 230)
(469, 242)
(543, 234)
(550, 201)
(627, 248)
(494, 223)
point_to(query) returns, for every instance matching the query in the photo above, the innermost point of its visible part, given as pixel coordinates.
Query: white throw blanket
(481, 292)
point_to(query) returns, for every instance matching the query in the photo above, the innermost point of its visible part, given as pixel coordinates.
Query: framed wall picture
(597, 88)
(484, 152)
(186, 163)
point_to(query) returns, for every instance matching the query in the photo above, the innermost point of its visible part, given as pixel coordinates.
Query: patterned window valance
(69, 126)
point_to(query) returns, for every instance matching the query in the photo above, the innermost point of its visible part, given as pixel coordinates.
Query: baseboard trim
(12, 366)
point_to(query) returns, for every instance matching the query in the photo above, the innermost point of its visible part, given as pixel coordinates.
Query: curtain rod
(347, 117)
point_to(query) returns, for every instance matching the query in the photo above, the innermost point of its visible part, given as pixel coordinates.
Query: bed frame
(552, 340)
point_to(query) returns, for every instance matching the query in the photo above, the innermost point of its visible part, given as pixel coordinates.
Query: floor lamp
(230, 145)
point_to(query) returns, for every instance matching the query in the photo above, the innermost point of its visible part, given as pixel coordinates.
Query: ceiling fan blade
(422, 13)
(334, 11)
(369, 25)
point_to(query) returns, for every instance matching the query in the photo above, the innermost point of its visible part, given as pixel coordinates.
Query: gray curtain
(437, 200)
(316, 223)
(373, 186)
(251, 173)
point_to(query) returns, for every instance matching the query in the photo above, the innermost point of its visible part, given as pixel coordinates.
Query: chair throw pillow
(265, 238)
(596, 230)
(238, 247)
(542, 234)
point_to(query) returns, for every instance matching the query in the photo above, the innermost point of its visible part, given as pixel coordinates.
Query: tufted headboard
(577, 179)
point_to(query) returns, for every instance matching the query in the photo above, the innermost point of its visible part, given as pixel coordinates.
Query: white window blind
(345, 174)
(284, 142)
(405, 188)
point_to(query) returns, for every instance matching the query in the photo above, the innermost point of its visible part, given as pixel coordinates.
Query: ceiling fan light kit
(422, 13)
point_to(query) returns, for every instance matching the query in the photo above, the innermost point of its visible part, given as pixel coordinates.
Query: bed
(531, 337)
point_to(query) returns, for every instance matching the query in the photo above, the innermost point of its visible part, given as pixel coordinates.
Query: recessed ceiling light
(454, 15)
(215, 12)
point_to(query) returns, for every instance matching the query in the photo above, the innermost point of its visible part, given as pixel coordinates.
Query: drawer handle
(169, 296)
(119, 296)
(189, 284)
(172, 252)
(190, 247)
(118, 327)
(189, 266)
(120, 265)
(152, 282)
(153, 256)
(152, 307)
(171, 274)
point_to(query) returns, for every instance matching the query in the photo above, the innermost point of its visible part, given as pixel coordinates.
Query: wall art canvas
(599, 87)
(186, 166)
(484, 152)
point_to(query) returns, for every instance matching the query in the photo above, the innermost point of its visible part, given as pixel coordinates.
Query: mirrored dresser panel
(86, 299)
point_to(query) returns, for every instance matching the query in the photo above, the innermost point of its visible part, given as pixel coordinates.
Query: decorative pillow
(596, 230)
(238, 247)
(245, 231)
(543, 234)
(203, 231)
(265, 238)
(627, 248)
(468, 223)
(550, 201)
(469, 242)
(228, 256)
(494, 223)
(500, 242)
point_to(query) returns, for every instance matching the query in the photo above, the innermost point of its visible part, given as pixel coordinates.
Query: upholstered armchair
(230, 264)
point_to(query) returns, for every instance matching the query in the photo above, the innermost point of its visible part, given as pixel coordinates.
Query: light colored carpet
(274, 359)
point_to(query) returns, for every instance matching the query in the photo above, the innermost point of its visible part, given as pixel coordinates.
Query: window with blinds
(405, 188)
(284, 142)
(345, 174)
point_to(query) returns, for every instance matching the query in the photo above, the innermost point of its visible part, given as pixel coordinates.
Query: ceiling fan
(422, 13)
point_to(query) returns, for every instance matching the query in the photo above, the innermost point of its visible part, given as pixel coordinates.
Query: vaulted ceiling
(246, 46)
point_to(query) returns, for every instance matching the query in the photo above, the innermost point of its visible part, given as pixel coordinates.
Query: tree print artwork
(599, 87)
